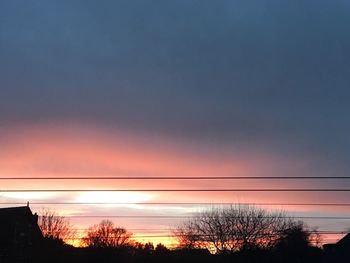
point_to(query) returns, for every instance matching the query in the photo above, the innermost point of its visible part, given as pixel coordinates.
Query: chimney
(35, 218)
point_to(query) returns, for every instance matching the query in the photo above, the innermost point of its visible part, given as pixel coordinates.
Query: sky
(174, 88)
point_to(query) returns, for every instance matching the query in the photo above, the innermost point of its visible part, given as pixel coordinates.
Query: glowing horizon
(70, 151)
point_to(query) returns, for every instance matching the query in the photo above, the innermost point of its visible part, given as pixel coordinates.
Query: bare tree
(54, 226)
(232, 229)
(187, 235)
(252, 227)
(105, 235)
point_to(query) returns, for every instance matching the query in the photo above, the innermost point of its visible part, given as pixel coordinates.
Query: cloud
(259, 72)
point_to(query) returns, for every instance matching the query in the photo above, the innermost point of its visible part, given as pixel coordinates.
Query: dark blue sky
(273, 74)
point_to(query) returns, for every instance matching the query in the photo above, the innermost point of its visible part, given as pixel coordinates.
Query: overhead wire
(178, 203)
(183, 190)
(177, 178)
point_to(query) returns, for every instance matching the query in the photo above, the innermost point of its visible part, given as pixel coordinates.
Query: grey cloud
(266, 72)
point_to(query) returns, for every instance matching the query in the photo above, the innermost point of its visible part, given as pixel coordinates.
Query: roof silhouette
(18, 224)
(344, 241)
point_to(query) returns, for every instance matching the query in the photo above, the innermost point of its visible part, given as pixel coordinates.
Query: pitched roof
(344, 241)
(15, 211)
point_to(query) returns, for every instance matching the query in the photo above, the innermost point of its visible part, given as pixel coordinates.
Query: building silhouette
(20, 234)
(340, 251)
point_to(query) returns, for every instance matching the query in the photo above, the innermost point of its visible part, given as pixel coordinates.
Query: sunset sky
(174, 88)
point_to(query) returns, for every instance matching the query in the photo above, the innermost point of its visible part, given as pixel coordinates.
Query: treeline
(148, 253)
(234, 234)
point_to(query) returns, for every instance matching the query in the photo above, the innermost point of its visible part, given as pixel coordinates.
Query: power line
(190, 216)
(139, 236)
(134, 229)
(180, 178)
(185, 190)
(162, 230)
(174, 237)
(177, 203)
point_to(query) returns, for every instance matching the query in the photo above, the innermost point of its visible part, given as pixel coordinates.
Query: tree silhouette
(54, 226)
(296, 244)
(232, 229)
(160, 248)
(297, 237)
(106, 235)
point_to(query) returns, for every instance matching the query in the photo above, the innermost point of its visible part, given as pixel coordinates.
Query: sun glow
(113, 197)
